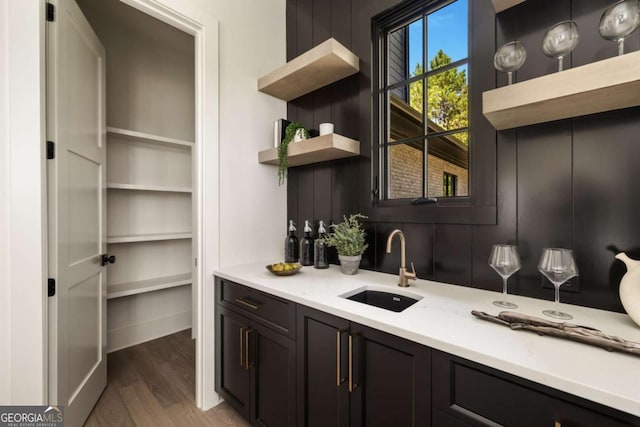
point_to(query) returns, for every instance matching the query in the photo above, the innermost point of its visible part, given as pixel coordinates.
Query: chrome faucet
(405, 276)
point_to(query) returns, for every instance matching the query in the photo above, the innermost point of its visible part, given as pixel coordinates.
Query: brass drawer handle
(352, 386)
(246, 350)
(242, 330)
(249, 303)
(558, 424)
(339, 379)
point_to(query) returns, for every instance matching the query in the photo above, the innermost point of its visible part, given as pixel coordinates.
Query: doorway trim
(194, 20)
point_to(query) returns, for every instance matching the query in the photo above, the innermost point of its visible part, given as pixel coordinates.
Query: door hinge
(196, 262)
(51, 287)
(51, 150)
(51, 12)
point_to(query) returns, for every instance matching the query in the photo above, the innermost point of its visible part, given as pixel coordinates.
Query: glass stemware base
(557, 314)
(505, 304)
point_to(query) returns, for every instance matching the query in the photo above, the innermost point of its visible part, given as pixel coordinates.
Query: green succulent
(348, 237)
(283, 149)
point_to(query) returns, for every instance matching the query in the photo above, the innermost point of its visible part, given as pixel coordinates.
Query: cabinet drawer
(481, 396)
(274, 312)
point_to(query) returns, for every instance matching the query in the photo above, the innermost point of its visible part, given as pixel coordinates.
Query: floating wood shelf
(147, 137)
(314, 150)
(148, 237)
(606, 85)
(136, 187)
(500, 5)
(324, 64)
(149, 285)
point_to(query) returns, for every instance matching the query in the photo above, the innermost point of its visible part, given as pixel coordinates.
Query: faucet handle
(412, 275)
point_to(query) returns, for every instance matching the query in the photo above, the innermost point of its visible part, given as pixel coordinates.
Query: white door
(77, 212)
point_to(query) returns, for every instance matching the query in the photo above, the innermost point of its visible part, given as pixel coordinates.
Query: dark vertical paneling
(483, 237)
(305, 195)
(606, 198)
(592, 47)
(304, 26)
(482, 75)
(539, 16)
(292, 29)
(552, 178)
(544, 197)
(322, 194)
(453, 254)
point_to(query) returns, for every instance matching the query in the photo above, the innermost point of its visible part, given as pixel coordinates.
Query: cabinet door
(233, 379)
(323, 396)
(391, 380)
(272, 358)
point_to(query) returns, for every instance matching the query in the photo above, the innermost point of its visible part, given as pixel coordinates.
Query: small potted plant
(292, 131)
(348, 237)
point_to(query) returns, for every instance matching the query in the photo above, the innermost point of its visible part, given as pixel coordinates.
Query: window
(422, 105)
(449, 184)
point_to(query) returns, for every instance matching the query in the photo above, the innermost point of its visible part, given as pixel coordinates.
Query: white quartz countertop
(442, 320)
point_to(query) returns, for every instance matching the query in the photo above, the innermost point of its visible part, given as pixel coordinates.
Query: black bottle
(306, 246)
(291, 244)
(320, 254)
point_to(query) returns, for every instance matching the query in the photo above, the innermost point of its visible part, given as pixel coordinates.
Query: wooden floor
(153, 384)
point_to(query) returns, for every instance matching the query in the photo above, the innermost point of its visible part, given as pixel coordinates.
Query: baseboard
(131, 335)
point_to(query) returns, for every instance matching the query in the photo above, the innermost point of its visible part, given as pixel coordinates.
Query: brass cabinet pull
(339, 379)
(241, 345)
(558, 424)
(246, 349)
(352, 386)
(249, 303)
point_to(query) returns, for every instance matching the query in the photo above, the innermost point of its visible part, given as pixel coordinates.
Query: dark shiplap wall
(570, 183)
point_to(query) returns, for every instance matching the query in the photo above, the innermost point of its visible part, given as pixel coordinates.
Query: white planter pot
(349, 264)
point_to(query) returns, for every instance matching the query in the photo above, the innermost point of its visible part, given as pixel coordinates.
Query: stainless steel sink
(378, 298)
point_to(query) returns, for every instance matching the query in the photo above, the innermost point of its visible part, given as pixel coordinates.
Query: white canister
(326, 128)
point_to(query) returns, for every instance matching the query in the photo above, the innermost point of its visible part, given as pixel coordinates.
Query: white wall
(5, 294)
(252, 208)
(22, 198)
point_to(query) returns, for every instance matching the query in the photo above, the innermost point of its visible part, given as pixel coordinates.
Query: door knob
(106, 259)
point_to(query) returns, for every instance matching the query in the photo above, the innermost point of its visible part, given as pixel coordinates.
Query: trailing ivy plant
(283, 149)
(348, 237)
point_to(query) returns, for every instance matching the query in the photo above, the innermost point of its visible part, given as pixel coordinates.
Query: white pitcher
(630, 287)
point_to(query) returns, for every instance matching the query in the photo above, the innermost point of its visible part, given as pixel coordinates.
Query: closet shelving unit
(149, 207)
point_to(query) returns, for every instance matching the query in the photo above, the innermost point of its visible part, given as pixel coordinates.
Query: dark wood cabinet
(351, 374)
(282, 364)
(255, 365)
(467, 393)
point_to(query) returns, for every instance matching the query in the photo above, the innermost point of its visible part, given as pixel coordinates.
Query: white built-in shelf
(147, 137)
(500, 5)
(324, 64)
(606, 85)
(149, 285)
(314, 150)
(148, 237)
(136, 187)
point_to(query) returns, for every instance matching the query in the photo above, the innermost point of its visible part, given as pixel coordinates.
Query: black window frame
(480, 206)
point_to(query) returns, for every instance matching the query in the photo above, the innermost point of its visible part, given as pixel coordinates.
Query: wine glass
(560, 40)
(504, 259)
(619, 21)
(509, 58)
(558, 265)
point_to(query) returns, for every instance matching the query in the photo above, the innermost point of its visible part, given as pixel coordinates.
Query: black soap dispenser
(320, 255)
(291, 244)
(306, 246)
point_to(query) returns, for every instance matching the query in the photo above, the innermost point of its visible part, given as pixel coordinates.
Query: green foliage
(348, 236)
(447, 95)
(283, 149)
